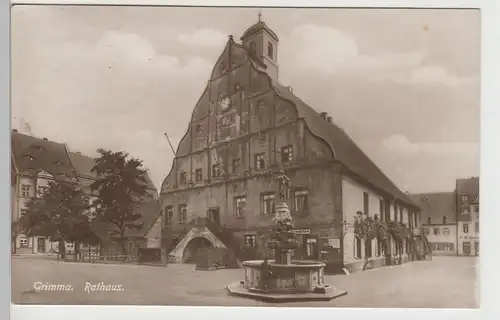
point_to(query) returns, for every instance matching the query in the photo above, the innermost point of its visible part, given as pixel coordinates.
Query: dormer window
(29, 157)
(253, 48)
(270, 50)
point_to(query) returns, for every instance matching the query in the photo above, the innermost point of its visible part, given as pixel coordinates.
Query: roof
(83, 165)
(34, 154)
(343, 147)
(468, 186)
(256, 28)
(436, 205)
(150, 212)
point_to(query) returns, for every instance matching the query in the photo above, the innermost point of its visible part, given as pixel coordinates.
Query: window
(300, 200)
(476, 209)
(23, 242)
(215, 171)
(42, 190)
(446, 231)
(466, 228)
(25, 190)
(366, 203)
(267, 204)
(236, 165)
(24, 212)
(253, 47)
(169, 214)
(477, 226)
(259, 161)
(250, 241)
(286, 154)
(182, 213)
(429, 220)
(436, 231)
(444, 220)
(270, 51)
(426, 231)
(239, 206)
(465, 209)
(381, 208)
(199, 175)
(465, 199)
(183, 177)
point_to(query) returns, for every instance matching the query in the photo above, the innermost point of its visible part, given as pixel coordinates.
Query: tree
(59, 213)
(15, 231)
(122, 184)
(365, 229)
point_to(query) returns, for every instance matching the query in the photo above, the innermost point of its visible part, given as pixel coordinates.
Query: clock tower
(263, 44)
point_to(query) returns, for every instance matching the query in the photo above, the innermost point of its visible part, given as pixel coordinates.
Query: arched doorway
(193, 247)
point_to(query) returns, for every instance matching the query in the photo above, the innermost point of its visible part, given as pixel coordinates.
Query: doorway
(41, 245)
(214, 215)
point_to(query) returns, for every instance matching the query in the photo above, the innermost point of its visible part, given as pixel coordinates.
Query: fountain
(284, 279)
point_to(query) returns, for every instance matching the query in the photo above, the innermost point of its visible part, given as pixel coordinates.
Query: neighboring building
(467, 199)
(439, 220)
(246, 127)
(36, 162)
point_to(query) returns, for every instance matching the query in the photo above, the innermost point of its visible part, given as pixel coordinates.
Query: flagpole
(171, 147)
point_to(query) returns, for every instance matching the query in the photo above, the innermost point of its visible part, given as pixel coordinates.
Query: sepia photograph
(245, 156)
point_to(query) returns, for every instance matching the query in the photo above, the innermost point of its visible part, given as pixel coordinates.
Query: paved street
(444, 282)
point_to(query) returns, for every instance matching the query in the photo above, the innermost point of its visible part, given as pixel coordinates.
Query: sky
(403, 83)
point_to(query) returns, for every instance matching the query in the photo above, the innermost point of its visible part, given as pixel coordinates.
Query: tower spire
(260, 16)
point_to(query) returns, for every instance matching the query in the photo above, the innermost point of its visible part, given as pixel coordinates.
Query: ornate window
(466, 228)
(270, 50)
(287, 154)
(236, 165)
(215, 171)
(446, 231)
(250, 241)
(260, 163)
(253, 48)
(239, 206)
(183, 177)
(169, 214)
(267, 204)
(182, 213)
(301, 200)
(41, 190)
(437, 231)
(25, 190)
(199, 175)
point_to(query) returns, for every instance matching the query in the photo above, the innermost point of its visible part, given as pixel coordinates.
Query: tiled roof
(436, 206)
(35, 154)
(468, 186)
(83, 165)
(343, 147)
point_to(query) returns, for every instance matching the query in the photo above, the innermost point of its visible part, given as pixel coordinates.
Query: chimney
(45, 139)
(15, 130)
(290, 89)
(324, 115)
(330, 119)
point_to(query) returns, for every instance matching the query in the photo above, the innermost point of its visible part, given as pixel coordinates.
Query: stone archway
(177, 253)
(193, 247)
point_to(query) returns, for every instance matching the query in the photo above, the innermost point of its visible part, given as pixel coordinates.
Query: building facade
(35, 163)
(439, 221)
(467, 197)
(247, 127)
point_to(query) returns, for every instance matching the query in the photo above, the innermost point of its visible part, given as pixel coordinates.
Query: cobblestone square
(444, 282)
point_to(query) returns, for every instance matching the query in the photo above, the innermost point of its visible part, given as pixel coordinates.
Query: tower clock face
(225, 103)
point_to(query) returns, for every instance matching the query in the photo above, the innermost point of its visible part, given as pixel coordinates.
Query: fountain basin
(301, 280)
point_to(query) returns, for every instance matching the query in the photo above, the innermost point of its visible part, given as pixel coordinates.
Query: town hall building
(245, 128)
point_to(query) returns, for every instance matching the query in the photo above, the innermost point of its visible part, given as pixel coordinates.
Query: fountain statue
(284, 279)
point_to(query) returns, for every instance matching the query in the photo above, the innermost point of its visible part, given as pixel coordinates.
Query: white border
(490, 178)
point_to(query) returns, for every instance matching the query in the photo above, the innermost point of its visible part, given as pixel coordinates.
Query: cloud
(401, 146)
(327, 50)
(427, 75)
(203, 38)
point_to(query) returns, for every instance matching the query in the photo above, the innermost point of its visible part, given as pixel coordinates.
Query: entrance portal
(41, 245)
(193, 248)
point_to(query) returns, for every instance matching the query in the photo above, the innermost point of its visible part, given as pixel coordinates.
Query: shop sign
(469, 237)
(301, 231)
(334, 243)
